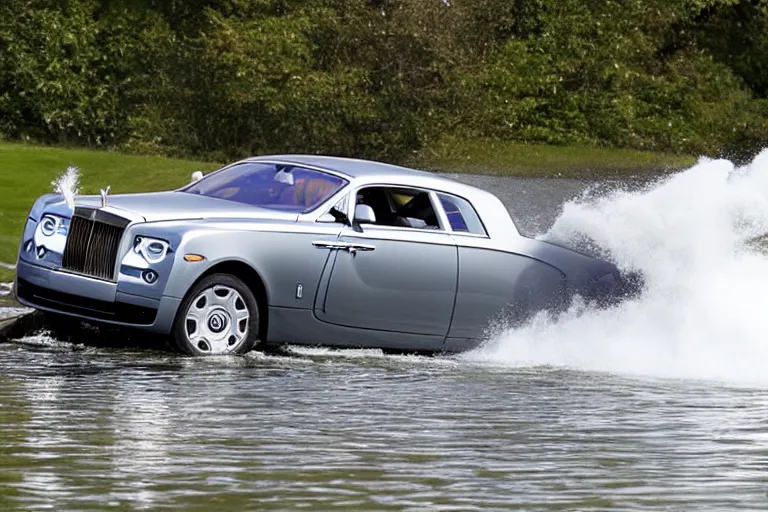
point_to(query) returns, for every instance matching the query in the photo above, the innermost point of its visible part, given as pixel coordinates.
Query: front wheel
(218, 316)
(62, 327)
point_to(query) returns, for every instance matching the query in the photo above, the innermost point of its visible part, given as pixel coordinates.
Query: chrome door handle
(331, 245)
(343, 246)
(353, 248)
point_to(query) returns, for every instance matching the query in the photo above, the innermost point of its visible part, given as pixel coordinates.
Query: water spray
(68, 185)
(695, 238)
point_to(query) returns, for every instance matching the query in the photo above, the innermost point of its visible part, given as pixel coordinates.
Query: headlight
(49, 225)
(151, 249)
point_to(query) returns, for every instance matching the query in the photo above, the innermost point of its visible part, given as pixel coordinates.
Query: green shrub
(383, 78)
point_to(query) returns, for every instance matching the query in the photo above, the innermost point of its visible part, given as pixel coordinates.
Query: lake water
(643, 423)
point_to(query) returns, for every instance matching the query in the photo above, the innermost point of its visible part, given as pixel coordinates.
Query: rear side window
(461, 215)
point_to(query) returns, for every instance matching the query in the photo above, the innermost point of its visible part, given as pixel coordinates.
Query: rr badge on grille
(104, 196)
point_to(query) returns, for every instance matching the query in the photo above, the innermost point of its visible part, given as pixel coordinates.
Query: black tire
(181, 325)
(62, 327)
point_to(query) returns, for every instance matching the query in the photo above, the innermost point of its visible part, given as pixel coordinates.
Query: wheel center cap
(217, 322)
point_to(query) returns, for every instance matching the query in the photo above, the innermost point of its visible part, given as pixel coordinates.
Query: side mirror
(197, 176)
(364, 214)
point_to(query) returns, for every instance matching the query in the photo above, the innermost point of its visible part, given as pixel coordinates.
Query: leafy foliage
(383, 78)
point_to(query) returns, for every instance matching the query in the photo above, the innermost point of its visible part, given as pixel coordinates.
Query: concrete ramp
(16, 323)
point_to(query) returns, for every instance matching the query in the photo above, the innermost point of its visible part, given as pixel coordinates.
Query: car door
(390, 278)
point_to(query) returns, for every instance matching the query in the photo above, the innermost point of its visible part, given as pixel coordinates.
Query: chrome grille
(92, 243)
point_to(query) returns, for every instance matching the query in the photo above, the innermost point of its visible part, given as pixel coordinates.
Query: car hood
(165, 206)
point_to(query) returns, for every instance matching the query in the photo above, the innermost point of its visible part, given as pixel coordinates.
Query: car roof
(352, 167)
(368, 171)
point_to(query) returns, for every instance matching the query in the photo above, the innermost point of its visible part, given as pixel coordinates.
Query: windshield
(274, 186)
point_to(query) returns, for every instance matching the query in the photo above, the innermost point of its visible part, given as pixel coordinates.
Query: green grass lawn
(26, 171)
(533, 160)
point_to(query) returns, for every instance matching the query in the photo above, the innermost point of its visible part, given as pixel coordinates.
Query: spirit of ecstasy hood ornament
(104, 196)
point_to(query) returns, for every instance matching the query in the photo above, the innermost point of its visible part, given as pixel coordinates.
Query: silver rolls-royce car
(302, 250)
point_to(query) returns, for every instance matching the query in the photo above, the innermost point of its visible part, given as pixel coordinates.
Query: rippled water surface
(88, 427)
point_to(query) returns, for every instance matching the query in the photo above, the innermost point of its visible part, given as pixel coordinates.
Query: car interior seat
(376, 198)
(420, 207)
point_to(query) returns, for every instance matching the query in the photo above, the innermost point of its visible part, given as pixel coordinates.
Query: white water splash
(68, 185)
(704, 311)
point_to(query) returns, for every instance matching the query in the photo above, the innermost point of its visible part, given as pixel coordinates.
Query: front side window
(400, 207)
(274, 186)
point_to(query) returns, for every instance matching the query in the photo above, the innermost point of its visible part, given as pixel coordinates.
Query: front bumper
(91, 299)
